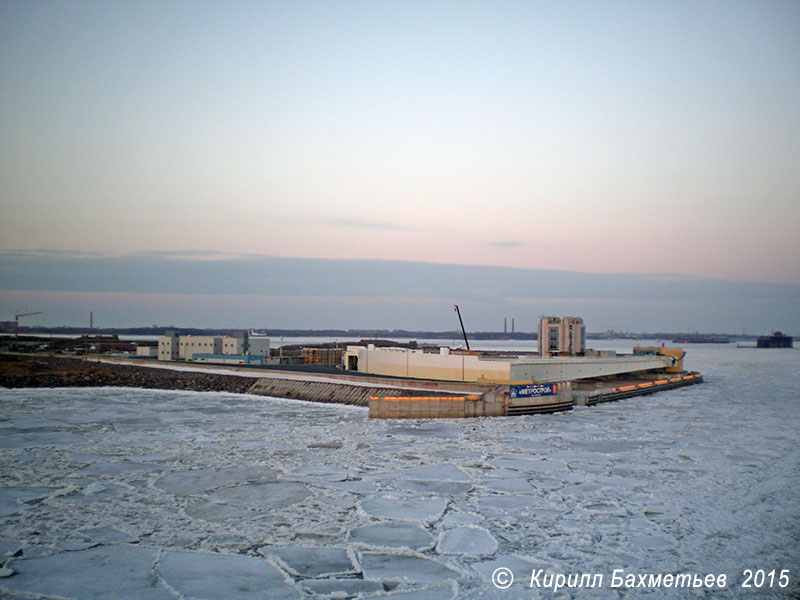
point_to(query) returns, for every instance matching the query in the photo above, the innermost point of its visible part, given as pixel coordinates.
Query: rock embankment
(56, 371)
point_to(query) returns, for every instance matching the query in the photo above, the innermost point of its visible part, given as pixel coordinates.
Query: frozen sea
(128, 493)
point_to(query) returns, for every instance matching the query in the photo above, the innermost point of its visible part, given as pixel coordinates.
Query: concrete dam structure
(448, 365)
(404, 383)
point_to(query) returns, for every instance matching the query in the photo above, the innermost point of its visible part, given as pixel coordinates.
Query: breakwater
(386, 397)
(42, 371)
(17, 371)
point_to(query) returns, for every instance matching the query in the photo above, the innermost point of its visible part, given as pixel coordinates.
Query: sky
(592, 138)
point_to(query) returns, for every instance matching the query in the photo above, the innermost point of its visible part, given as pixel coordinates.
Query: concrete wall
(461, 367)
(147, 351)
(677, 353)
(233, 345)
(566, 368)
(168, 346)
(189, 345)
(228, 359)
(259, 346)
(401, 362)
(435, 407)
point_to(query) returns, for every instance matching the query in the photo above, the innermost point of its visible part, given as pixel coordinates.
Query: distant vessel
(776, 340)
(701, 339)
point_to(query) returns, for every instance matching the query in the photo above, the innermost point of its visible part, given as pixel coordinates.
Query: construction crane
(16, 322)
(464, 331)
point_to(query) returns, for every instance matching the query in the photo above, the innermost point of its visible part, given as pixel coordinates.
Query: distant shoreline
(369, 333)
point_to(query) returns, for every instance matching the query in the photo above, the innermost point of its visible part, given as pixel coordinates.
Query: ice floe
(162, 494)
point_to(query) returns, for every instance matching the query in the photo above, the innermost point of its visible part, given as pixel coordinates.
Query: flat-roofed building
(258, 345)
(449, 366)
(573, 336)
(549, 336)
(189, 345)
(235, 344)
(168, 346)
(561, 335)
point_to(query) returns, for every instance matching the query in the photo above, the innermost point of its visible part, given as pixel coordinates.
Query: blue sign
(529, 391)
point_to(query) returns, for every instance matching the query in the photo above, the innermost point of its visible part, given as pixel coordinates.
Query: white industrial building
(451, 366)
(172, 346)
(147, 351)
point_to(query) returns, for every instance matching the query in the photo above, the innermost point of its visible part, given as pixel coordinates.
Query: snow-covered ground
(123, 493)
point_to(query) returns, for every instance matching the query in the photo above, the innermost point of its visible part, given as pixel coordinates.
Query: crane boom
(16, 322)
(464, 331)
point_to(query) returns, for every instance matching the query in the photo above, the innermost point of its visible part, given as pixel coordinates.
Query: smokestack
(91, 320)
(505, 324)
(512, 324)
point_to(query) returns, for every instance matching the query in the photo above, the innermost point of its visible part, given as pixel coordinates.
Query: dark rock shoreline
(55, 371)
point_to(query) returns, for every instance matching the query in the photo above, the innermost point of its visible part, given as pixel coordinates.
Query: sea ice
(528, 465)
(96, 573)
(391, 507)
(520, 569)
(392, 535)
(209, 577)
(311, 562)
(595, 489)
(14, 499)
(107, 535)
(270, 494)
(96, 491)
(427, 429)
(341, 588)
(393, 567)
(459, 518)
(471, 540)
(443, 472)
(518, 486)
(14, 438)
(187, 483)
(439, 488)
(116, 468)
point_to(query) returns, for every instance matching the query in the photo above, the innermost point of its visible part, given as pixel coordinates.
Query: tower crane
(16, 322)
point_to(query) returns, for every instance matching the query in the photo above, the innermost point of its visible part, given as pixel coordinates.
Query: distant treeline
(362, 333)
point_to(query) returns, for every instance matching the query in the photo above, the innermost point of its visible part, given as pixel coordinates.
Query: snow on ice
(162, 494)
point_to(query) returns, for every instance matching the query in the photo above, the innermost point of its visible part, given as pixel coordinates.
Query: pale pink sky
(607, 137)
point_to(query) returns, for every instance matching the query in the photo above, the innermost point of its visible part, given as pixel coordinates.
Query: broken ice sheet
(468, 539)
(270, 494)
(392, 567)
(195, 481)
(107, 535)
(393, 534)
(209, 576)
(311, 561)
(573, 491)
(14, 499)
(341, 588)
(95, 573)
(392, 507)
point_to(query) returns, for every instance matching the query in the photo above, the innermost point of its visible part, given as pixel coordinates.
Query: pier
(385, 396)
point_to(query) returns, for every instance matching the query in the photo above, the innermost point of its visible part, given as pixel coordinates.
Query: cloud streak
(205, 272)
